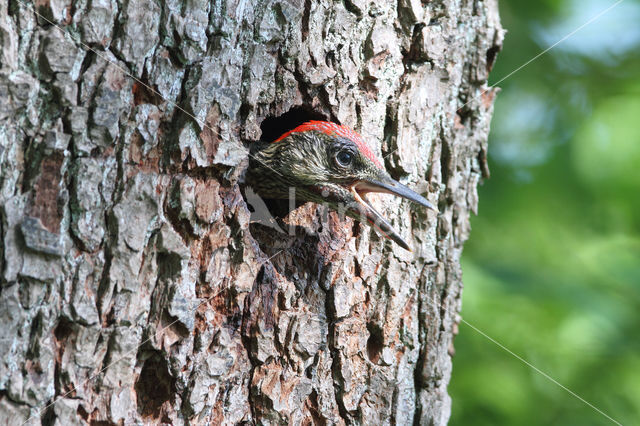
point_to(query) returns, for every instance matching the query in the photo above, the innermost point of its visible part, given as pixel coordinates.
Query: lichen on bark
(134, 286)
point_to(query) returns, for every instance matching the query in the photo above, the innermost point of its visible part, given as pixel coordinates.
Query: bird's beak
(387, 185)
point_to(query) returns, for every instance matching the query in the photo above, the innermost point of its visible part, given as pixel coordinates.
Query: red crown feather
(334, 129)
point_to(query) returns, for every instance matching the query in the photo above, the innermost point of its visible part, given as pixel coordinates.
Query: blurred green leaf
(552, 269)
(606, 154)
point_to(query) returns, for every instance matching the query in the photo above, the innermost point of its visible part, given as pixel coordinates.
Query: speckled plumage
(335, 130)
(308, 159)
(303, 160)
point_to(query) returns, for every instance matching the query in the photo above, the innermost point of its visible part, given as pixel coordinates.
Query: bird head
(331, 164)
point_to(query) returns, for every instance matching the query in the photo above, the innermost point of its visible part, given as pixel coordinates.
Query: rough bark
(134, 286)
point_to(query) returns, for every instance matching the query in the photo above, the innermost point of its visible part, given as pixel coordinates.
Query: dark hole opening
(63, 330)
(492, 53)
(273, 127)
(154, 386)
(375, 342)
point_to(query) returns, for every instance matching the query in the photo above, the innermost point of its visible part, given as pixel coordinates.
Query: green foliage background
(552, 269)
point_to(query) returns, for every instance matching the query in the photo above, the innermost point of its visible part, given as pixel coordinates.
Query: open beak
(385, 184)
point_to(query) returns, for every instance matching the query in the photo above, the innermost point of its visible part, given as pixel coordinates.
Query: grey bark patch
(91, 192)
(39, 239)
(59, 55)
(139, 23)
(97, 23)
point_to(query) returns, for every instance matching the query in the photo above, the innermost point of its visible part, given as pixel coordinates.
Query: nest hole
(273, 127)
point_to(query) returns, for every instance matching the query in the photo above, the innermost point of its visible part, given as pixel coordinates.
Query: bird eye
(344, 158)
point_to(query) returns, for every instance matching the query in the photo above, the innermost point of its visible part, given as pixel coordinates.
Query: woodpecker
(329, 164)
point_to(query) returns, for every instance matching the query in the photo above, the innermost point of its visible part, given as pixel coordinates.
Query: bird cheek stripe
(333, 129)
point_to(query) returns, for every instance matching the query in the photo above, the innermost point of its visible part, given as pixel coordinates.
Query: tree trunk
(135, 287)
